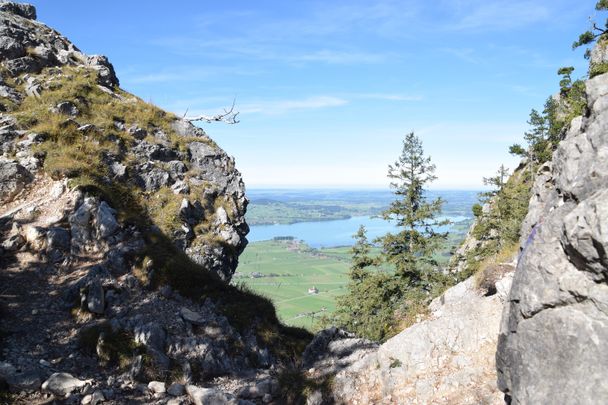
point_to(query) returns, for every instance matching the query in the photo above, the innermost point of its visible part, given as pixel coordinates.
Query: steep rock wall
(552, 339)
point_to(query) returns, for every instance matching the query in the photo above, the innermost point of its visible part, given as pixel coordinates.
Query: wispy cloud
(186, 74)
(465, 54)
(387, 96)
(498, 15)
(278, 107)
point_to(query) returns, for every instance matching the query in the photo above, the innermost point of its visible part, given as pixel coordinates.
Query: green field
(284, 271)
(289, 270)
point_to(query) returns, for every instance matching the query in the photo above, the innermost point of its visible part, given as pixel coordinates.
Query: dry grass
(492, 268)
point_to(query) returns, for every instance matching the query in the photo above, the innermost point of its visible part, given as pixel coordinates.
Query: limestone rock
(106, 220)
(157, 387)
(192, 317)
(209, 396)
(62, 384)
(447, 358)
(550, 348)
(13, 179)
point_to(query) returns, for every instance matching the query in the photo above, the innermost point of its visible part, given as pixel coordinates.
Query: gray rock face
(551, 345)
(13, 179)
(444, 359)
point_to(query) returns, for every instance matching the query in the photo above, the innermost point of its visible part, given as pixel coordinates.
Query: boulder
(137, 132)
(151, 335)
(58, 238)
(13, 179)
(95, 297)
(67, 108)
(210, 396)
(106, 220)
(157, 387)
(106, 76)
(62, 384)
(193, 317)
(97, 397)
(25, 64)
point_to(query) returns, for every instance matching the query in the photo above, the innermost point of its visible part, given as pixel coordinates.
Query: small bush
(596, 69)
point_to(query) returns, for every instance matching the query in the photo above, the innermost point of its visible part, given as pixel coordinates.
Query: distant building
(313, 290)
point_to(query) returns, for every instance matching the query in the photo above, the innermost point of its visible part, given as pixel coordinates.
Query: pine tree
(361, 258)
(411, 249)
(374, 297)
(367, 308)
(537, 138)
(595, 33)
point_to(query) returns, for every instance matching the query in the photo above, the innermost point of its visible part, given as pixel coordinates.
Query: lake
(330, 233)
(319, 234)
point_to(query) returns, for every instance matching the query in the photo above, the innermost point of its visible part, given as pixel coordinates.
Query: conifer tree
(367, 308)
(595, 33)
(361, 258)
(411, 249)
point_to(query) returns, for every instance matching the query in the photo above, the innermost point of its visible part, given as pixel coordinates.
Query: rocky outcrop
(551, 345)
(170, 154)
(447, 358)
(117, 245)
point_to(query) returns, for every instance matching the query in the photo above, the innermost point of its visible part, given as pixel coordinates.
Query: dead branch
(228, 116)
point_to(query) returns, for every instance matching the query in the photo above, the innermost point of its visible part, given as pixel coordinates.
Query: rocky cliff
(120, 225)
(551, 345)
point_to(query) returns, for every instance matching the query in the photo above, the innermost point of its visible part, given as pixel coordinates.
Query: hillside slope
(120, 225)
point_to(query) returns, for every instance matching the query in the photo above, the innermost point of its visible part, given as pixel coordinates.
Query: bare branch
(229, 116)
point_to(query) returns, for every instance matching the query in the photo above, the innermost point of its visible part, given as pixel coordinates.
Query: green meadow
(285, 271)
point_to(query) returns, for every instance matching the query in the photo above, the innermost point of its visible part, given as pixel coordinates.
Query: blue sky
(328, 89)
